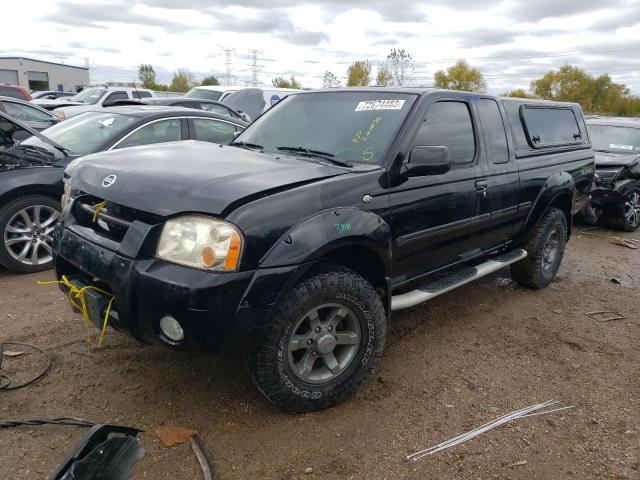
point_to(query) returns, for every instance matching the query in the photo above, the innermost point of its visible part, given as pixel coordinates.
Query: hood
(73, 110)
(55, 102)
(191, 176)
(607, 159)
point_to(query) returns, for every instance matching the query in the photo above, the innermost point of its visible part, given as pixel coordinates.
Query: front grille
(107, 219)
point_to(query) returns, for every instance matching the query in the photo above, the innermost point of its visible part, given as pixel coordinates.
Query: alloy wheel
(632, 209)
(324, 343)
(551, 249)
(28, 234)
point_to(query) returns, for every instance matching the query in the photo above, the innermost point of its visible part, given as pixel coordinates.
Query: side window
(112, 97)
(213, 131)
(161, 131)
(140, 94)
(449, 124)
(495, 136)
(212, 107)
(26, 113)
(10, 92)
(546, 126)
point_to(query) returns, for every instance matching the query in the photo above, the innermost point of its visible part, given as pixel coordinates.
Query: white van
(253, 101)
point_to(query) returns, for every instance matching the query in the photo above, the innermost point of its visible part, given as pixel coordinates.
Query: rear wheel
(326, 336)
(26, 233)
(626, 216)
(545, 251)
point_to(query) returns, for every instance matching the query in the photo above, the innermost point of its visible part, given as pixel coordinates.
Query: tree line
(599, 94)
(183, 80)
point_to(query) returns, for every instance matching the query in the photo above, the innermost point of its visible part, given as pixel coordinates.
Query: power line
(552, 54)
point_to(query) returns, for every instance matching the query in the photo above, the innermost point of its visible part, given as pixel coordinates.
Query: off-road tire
(618, 218)
(531, 271)
(269, 366)
(6, 214)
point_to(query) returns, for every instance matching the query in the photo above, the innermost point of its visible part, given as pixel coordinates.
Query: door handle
(482, 185)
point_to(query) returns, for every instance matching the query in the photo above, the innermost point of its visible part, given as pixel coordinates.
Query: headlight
(59, 114)
(66, 196)
(201, 242)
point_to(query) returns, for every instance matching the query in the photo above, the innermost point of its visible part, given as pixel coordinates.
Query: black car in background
(197, 103)
(615, 198)
(29, 114)
(31, 169)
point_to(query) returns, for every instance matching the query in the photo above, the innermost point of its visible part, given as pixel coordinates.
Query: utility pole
(255, 67)
(228, 52)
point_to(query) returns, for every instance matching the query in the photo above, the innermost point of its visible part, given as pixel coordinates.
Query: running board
(448, 280)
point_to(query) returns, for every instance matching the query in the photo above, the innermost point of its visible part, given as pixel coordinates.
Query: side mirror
(109, 103)
(424, 161)
(244, 116)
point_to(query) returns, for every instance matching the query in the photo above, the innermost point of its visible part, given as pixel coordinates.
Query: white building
(40, 75)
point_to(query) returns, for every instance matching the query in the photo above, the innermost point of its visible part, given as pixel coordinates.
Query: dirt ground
(451, 365)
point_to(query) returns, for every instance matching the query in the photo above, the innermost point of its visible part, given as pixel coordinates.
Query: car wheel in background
(326, 335)
(626, 216)
(26, 233)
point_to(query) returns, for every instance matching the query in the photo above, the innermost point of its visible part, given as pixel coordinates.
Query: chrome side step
(447, 281)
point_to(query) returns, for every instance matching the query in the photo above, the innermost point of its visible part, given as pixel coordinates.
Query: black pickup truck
(329, 212)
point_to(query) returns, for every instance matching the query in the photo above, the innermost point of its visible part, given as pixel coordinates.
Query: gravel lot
(464, 359)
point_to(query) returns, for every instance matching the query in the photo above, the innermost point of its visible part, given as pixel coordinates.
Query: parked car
(14, 91)
(197, 103)
(28, 113)
(211, 92)
(92, 98)
(329, 212)
(616, 191)
(51, 94)
(30, 189)
(254, 101)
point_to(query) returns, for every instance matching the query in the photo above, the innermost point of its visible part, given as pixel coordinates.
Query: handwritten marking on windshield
(368, 154)
(359, 137)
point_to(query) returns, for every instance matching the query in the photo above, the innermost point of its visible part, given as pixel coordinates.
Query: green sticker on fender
(343, 227)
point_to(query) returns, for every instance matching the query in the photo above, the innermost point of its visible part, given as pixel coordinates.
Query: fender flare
(556, 186)
(326, 231)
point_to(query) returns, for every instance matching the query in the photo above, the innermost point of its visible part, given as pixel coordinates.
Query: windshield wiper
(307, 152)
(247, 145)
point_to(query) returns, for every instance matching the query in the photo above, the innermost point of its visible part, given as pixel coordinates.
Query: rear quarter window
(550, 126)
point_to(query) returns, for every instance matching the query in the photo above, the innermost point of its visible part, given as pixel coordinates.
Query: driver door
(434, 218)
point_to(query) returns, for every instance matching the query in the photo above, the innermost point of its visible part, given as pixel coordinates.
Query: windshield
(352, 126)
(85, 133)
(91, 96)
(204, 94)
(607, 138)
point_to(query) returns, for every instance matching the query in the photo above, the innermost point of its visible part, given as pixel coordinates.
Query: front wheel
(545, 251)
(326, 335)
(26, 229)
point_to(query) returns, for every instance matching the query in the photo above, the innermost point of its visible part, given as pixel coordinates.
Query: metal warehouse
(42, 75)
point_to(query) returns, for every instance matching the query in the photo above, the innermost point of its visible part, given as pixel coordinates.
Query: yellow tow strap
(98, 208)
(76, 297)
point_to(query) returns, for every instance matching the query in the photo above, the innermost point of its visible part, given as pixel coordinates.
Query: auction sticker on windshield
(621, 147)
(380, 105)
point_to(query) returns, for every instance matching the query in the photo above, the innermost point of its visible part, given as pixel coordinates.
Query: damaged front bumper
(204, 303)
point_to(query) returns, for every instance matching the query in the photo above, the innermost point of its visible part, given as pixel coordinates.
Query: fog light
(171, 329)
